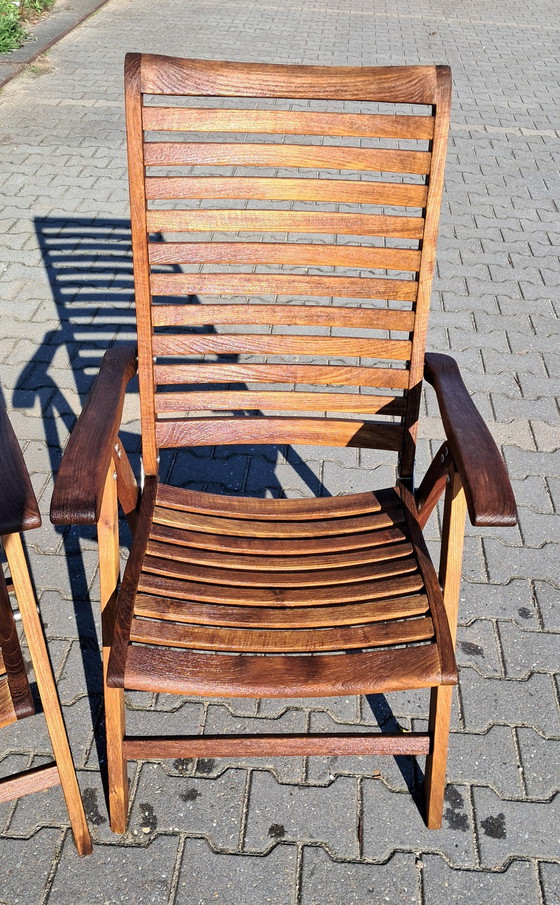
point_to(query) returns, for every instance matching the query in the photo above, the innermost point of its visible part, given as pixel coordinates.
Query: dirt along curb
(64, 16)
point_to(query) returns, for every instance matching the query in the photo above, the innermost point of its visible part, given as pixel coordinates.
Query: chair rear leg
(452, 542)
(38, 651)
(109, 570)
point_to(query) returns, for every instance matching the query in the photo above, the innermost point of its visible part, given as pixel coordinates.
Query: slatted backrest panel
(284, 222)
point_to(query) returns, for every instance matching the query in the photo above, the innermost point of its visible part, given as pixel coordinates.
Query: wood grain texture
(11, 662)
(165, 315)
(318, 375)
(284, 188)
(270, 400)
(288, 122)
(79, 485)
(200, 220)
(281, 284)
(44, 678)
(393, 84)
(148, 631)
(29, 781)
(18, 505)
(279, 430)
(487, 487)
(191, 672)
(326, 157)
(342, 744)
(169, 608)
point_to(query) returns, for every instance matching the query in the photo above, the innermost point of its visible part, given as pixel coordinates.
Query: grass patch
(14, 18)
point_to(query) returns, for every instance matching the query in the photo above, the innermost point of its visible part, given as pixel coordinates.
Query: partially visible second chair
(19, 512)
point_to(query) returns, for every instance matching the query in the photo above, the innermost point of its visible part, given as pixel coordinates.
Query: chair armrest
(79, 484)
(18, 504)
(488, 490)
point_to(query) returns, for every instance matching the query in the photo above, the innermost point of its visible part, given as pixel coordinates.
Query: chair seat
(251, 597)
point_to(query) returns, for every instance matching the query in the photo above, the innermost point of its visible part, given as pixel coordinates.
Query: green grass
(13, 20)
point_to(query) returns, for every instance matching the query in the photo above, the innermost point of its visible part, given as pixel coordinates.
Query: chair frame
(19, 512)
(468, 468)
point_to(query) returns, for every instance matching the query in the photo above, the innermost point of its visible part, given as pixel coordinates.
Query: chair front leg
(25, 596)
(453, 534)
(109, 572)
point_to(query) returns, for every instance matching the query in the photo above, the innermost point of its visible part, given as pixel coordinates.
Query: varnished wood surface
(343, 744)
(158, 74)
(12, 665)
(285, 188)
(204, 119)
(488, 490)
(79, 484)
(29, 781)
(18, 505)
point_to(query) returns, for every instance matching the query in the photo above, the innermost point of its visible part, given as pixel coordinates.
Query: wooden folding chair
(19, 512)
(321, 184)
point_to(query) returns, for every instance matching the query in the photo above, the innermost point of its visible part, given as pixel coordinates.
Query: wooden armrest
(488, 490)
(18, 503)
(79, 484)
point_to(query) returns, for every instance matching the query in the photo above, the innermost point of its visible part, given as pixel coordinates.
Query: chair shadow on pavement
(89, 266)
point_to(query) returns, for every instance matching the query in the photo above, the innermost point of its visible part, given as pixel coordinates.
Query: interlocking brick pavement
(300, 831)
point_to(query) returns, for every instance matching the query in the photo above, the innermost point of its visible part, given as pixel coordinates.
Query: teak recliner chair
(19, 512)
(320, 185)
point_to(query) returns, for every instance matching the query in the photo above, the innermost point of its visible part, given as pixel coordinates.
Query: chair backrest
(306, 200)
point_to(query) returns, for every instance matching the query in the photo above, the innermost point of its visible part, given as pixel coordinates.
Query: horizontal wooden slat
(253, 526)
(167, 344)
(294, 315)
(285, 222)
(393, 84)
(280, 430)
(177, 610)
(218, 504)
(288, 122)
(281, 284)
(291, 253)
(321, 562)
(35, 780)
(257, 546)
(329, 157)
(232, 400)
(252, 578)
(148, 631)
(209, 593)
(319, 375)
(411, 743)
(284, 188)
(190, 672)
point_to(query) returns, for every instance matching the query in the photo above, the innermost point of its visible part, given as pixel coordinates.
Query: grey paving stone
(550, 879)
(327, 882)
(303, 813)
(19, 883)
(486, 759)
(541, 763)
(515, 828)
(541, 562)
(206, 876)
(470, 887)
(197, 805)
(114, 871)
(548, 599)
(477, 647)
(526, 652)
(344, 710)
(515, 601)
(392, 822)
(530, 703)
